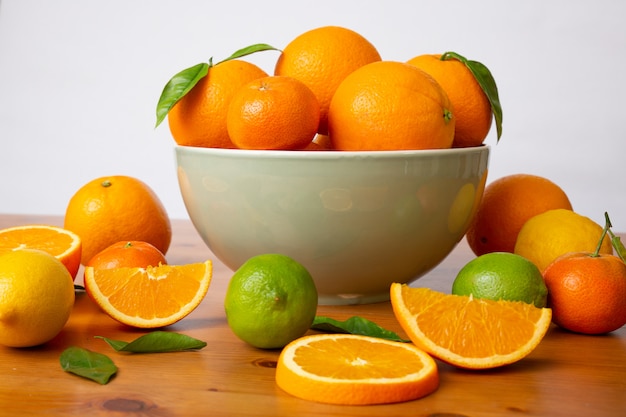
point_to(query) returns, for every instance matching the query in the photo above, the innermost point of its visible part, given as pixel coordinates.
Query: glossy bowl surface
(358, 221)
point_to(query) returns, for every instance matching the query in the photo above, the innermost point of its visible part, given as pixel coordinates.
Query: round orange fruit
(273, 112)
(507, 203)
(111, 209)
(321, 58)
(199, 118)
(390, 105)
(472, 109)
(587, 292)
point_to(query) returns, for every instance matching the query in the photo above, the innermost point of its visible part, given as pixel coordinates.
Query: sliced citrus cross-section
(469, 332)
(64, 245)
(151, 297)
(355, 370)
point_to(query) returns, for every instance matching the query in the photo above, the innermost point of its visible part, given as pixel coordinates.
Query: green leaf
(88, 364)
(354, 325)
(180, 84)
(257, 47)
(619, 246)
(177, 87)
(487, 83)
(156, 342)
(615, 240)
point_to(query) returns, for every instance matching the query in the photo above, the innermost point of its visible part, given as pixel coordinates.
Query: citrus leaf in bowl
(176, 88)
(486, 81)
(257, 47)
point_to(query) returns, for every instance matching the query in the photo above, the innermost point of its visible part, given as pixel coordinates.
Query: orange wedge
(58, 242)
(469, 332)
(151, 297)
(355, 370)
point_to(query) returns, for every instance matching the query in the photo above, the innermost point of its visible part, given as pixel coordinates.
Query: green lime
(502, 276)
(270, 301)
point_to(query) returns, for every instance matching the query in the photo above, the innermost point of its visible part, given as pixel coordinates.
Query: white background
(79, 82)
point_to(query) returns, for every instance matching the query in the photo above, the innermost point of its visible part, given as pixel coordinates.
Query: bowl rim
(329, 154)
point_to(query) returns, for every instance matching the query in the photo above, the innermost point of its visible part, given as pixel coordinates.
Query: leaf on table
(156, 342)
(88, 364)
(355, 325)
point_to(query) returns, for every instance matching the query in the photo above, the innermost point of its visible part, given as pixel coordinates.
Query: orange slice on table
(151, 297)
(352, 369)
(58, 242)
(469, 332)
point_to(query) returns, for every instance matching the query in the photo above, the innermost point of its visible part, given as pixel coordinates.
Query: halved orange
(64, 245)
(151, 297)
(353, 369)
(469, 332)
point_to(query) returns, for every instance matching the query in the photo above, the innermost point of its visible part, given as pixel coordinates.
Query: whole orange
(507, 203)
(199, 118)
(472, 109)
(587, 292)
(321, 58)
(390, 105)
(273, 112)
(110, 209)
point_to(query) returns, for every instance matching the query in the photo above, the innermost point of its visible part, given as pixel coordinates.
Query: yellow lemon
(548, 235)
(36, 297)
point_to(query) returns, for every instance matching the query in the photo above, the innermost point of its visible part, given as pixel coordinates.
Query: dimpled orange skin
(507, 203)
(110, 209)
(471, 105)
(199, 118)
(321, 58)
(390, 105)
(587, 293)
(273, 112)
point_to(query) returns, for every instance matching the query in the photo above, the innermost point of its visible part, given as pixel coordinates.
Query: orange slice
(58, 242)
(353, 369)
(469, 332)
(155, 296)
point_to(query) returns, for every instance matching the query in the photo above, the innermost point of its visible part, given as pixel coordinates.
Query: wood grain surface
(567, 375)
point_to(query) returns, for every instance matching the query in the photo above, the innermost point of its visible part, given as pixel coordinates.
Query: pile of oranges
(331, 90)
(531, 216)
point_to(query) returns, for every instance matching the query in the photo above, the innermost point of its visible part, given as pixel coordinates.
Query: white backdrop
(79, 82)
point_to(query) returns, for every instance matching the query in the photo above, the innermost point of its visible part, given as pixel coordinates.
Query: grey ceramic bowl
(358, 221)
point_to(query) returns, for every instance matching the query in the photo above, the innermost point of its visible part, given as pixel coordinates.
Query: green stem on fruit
(615, 240)
(605, 230)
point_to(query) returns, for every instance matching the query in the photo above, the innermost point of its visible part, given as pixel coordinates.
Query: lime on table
(502, 276)
(270, 301)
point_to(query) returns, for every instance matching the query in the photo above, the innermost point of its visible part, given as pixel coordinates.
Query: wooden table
(567, 375)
